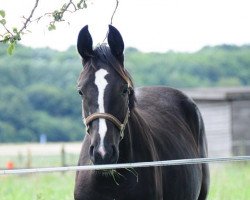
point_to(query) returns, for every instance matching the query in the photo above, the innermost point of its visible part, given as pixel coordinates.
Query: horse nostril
(114, 155)
(113, 150)
(91, 151)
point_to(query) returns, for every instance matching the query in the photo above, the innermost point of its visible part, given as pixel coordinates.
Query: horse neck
(138, 144)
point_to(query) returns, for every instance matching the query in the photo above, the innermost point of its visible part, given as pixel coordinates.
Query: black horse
(126, 125)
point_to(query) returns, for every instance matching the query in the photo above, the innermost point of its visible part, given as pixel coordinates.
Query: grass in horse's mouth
(115, 174)
(134, 172)
(111, 173)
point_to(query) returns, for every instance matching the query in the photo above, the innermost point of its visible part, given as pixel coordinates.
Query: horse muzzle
(103, 155)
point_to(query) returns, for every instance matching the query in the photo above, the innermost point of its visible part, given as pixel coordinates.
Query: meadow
(228, 182)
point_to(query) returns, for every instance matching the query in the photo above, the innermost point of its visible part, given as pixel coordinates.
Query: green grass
(228, 182)
(52, 186)
(39, 160)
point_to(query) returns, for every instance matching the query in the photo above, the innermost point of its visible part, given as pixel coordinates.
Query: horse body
(178, 133)
(164, 124)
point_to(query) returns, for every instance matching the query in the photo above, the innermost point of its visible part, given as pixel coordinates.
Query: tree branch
(112, 17)
(13, 36)
(28, 20)
(117, 4)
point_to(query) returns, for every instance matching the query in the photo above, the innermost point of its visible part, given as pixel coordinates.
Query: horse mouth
(113, 174)
(106, 172)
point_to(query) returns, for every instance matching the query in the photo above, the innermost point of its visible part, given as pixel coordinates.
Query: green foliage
(3, 21)
(224, 65)
(38, 86)
(2, 13)
(11, 48)
(52, 26)
(38, 96)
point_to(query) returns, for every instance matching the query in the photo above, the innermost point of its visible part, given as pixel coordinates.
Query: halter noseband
(113, 119)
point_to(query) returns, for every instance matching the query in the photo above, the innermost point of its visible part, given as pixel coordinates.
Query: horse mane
(145, 140)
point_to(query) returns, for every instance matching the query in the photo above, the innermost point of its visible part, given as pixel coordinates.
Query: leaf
(3, 21)
(85, 5)
(2, 13)
(64, 7)
(79, 4)
(6, 38)
(52, 27)
(11, 48)
(28, 31)
(14, 30)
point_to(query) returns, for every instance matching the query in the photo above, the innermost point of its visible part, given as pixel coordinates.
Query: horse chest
(121, 188)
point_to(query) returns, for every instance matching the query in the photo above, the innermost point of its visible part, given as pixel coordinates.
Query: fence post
(20, 159)
(63, 160)
(29, 159)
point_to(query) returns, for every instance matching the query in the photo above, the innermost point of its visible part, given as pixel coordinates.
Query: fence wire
(127, 165)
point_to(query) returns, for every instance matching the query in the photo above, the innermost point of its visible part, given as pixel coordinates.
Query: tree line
(38, 86)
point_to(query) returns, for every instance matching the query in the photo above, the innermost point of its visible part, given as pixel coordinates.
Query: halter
(113, 119)
(121, 126)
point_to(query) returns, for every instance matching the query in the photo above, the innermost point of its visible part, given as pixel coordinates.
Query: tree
(38, 87)
(12, 36)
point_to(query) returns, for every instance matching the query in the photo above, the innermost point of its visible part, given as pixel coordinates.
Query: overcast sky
(149, 25)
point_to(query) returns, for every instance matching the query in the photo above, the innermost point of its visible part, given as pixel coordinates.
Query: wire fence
(127, 165)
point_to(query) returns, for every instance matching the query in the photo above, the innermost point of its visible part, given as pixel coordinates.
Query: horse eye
(80, 92)
(125, 89)
(87, 130)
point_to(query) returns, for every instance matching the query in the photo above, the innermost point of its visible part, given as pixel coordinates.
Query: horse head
(105, 88)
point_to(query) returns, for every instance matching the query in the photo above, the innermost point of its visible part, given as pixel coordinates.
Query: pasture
(229, 181)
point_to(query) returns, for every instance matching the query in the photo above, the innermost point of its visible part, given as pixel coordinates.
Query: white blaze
(101, 84)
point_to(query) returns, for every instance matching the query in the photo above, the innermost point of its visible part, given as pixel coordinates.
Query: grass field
(228, 182)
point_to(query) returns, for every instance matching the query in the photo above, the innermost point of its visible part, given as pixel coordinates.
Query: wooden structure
(226, 113)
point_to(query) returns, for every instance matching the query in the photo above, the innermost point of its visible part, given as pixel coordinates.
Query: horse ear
(116, 43)
(84, 43)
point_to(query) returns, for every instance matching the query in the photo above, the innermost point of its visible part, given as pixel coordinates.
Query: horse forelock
(105, 55)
